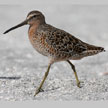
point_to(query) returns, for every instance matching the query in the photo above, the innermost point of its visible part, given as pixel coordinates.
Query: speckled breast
(39, 42)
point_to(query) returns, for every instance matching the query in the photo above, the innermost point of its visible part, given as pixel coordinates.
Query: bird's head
(33, 17)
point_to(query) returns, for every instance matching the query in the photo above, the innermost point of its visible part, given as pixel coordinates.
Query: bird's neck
(32, 29)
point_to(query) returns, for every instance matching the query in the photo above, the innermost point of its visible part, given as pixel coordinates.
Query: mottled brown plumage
(60, 45)
(54, 43)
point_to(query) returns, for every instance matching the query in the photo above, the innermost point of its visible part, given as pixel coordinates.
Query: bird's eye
(34, 16)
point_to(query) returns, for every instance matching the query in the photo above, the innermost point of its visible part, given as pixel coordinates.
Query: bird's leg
(73, 67)
(45, 76)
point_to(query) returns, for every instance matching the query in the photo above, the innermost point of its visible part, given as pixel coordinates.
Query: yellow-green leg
(73, 67)
(41, 84)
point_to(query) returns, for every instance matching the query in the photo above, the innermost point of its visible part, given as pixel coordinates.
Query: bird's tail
(92, 50)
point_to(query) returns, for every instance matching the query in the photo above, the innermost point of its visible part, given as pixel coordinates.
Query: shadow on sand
(10, 78)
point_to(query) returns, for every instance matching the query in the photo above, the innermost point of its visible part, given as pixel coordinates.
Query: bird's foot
(38, 91)
(80, 84)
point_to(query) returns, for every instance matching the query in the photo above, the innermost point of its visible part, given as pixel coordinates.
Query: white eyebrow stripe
(31, 15)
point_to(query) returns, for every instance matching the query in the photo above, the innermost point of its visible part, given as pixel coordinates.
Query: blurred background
(21, 65)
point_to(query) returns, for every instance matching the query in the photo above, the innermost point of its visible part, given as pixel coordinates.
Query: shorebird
(56, 44)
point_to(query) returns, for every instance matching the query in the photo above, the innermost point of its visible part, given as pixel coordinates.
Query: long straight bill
(19, 25)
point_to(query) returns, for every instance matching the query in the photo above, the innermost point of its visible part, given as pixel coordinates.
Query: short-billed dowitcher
(56, 44)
